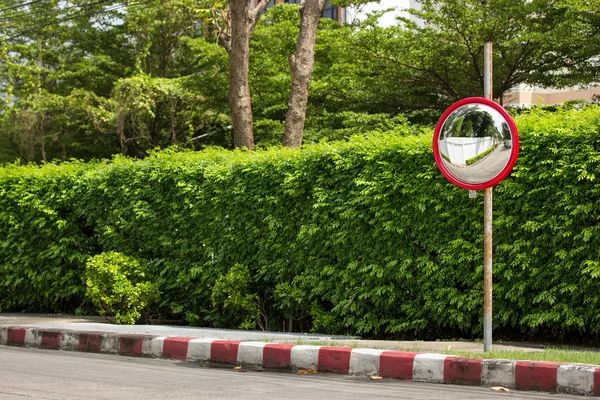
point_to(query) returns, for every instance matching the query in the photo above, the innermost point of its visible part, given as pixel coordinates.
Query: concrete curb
(421, 367)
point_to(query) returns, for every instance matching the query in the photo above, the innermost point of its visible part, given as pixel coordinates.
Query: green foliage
(130, 78)
(411, 66)
(115, 79)
(232, 303)
(43, 248)
(343, 125)
(116, 286)
(48, 126)
(479, 156)
(362, 237)
(158, 112)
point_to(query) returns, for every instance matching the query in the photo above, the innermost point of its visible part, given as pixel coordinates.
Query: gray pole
(487, 221)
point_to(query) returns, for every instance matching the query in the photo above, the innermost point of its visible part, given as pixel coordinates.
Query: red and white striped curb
(421, 367)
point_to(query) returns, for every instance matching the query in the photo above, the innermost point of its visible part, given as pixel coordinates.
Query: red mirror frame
(514, 136)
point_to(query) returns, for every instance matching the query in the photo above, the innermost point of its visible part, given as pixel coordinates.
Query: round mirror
(476, 143)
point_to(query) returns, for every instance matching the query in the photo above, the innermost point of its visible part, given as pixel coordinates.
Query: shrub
(479, 156)
(233, 304)
(362, 237)
(116, 286)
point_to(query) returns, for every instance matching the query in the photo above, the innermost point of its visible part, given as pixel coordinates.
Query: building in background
(348, 14)
(332, 12)
(526, 95)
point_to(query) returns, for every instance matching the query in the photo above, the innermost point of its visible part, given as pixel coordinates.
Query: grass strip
(552, 355)
(568, 356)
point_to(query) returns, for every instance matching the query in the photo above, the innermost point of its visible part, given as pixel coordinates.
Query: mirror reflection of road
(483, 170)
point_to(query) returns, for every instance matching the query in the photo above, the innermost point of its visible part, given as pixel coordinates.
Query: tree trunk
(239, 89)
(302, 66)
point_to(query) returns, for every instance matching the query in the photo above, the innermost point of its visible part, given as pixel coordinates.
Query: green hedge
(364, 237)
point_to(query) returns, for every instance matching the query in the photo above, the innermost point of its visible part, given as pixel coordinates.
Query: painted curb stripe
(131, 345)
(110, 344)
(251, 353)
(577, 379)
(32, 339)
(176, 347)
(89, 342)
(153, 346)
(69, 341)
(199, 350)
(334, 359)
(277, 356)
(462, 371)
(498, 373)
(397, 365)
(536, 376)
(15, 336)
(50, 339)
(225, 351)
(305, 357)
(3, 336)
(429, 367)
(365, 362)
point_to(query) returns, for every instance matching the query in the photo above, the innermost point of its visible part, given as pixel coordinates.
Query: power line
(85, 11)
(80, 13)
(45, 13)
(20, 5)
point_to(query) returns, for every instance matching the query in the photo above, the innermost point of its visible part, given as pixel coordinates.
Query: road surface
(49, 374)
(484, 170)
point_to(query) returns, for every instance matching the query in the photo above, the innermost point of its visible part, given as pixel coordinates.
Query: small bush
(115, 285)
(233, 302)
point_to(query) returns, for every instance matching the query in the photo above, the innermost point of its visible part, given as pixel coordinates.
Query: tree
(536, 42)
(302, 65)
(272, 43)
(56, 58)
(240, 20)
(414, 66)
(88, 80)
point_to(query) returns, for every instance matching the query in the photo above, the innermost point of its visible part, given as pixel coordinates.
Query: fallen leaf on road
(202, 365)
(376, 378)
(501, 389)
(307, 372)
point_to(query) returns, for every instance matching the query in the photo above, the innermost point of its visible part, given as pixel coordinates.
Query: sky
(389, 18)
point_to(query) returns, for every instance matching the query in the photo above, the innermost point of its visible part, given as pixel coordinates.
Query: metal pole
(487, 71)
(487, 221)
(487, 270)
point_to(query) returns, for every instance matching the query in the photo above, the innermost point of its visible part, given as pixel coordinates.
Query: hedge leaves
(362, 237)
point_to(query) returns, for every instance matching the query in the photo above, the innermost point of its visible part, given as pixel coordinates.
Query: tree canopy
(88, 79)
(438, 59)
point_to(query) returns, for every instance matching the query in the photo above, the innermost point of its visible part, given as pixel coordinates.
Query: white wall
(460, 149)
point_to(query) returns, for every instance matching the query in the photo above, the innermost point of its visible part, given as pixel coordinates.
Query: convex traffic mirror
(476, 143)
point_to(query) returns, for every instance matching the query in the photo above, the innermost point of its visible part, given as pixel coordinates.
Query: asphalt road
(484, 170)
(49, 374)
